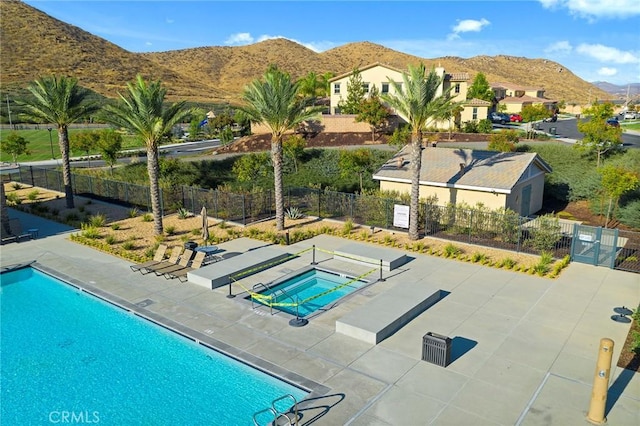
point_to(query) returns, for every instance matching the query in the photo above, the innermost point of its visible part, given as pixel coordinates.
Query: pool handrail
(285, 414)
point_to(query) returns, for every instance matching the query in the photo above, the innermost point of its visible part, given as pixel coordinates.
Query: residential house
(515, 97)
(513, 180)
(380, 76)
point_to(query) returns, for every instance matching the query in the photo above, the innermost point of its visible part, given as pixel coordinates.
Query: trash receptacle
(436, 349)
(190, 245)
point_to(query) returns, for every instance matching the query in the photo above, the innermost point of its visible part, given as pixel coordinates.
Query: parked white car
(630, 115)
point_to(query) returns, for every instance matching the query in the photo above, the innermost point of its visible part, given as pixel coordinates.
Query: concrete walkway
(524, 348)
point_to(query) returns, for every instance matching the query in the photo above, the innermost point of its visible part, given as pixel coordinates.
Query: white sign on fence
(400, 216)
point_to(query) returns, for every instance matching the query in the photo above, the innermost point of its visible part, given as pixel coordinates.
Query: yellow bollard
(601, 383)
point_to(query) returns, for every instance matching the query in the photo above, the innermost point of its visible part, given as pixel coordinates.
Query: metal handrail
(273, 412)
(295, 407)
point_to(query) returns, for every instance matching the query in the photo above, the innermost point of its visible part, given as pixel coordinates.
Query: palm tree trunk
(63, 141)
(153, 169)
(276, 158)
(416, 165)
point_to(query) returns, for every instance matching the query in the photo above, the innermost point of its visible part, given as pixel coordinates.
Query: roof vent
(400, 162)
(462, 165)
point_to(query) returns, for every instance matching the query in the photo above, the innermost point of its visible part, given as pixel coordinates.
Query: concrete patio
(524, 348)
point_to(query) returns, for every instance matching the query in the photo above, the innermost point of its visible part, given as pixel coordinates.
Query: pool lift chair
(157, 258)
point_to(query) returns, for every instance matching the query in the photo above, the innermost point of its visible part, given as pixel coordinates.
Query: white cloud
(239, 39)
(561, 47)
(169, 21)
(607, 54)
(607, 71)
(593, 9)
(468, 25)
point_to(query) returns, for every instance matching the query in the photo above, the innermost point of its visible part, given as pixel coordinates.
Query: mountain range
(34, 44)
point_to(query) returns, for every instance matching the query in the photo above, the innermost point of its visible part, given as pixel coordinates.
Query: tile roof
(483, 170)
(477, 102)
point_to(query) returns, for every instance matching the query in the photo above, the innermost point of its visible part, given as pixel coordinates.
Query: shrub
(89, 231)
(508, 263)
(134, 212)
(183, 213)
(223, 224)
(147, 217)
(389, 240)
(170, 230)
(478, 257)
(451, 251)
(294, 213)
(81, 209)
(13, 198)
(546, 234)
(33, 195)
(128, 245)
(16, 186)
(71, 217)
(347, 227)
(110, 239)
(544, 264)
(97, 220)
(115, 226)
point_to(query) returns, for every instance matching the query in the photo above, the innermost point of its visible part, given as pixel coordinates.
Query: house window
(385, 87)
(474, 113)
(336, 88)
(365, 86)
(456, 88)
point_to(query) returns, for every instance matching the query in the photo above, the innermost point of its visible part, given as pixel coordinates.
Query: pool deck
(523, 353)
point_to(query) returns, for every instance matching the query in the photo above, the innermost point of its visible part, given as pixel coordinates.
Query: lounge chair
(184, 261)
(173, 260)
(15, 232)
(157, 258)
(196, 263)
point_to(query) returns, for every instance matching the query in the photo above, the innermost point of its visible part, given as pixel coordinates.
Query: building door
(525, 203)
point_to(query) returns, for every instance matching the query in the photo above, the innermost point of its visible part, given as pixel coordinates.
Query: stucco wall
(514, 200)
(450, 195)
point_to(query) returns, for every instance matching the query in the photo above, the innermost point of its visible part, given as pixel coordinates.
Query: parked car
(516, 118)
(498, 117)
(613, 122)
(630, 115)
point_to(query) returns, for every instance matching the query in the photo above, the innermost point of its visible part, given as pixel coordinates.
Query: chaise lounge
(172, 261)
(184, 261)
(181, 274)
(158, 257)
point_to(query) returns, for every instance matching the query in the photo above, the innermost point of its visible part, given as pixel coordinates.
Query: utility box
(553, 131)
(436, 349)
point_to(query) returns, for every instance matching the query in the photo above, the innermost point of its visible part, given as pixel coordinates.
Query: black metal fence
(474, 225)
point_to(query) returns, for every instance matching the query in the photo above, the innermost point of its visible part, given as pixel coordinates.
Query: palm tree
(418, 100)
(275, 103)
(310, 85)
(60, 101)
(142, 112)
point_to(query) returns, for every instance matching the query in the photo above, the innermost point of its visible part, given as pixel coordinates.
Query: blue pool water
(67, 355)
(305, 288)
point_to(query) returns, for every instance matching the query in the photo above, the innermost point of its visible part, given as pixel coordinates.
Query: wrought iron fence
(479, 226)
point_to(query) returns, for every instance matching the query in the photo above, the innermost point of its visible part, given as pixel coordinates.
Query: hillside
(35, 44)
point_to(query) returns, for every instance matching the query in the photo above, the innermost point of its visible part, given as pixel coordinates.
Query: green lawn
(40, 147)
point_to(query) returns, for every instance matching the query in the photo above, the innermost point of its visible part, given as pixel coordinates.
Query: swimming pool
(307, 291)
(70, 356)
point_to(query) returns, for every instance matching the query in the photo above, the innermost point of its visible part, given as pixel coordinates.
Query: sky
(598, 40)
